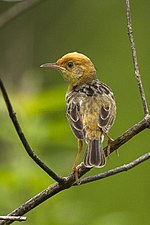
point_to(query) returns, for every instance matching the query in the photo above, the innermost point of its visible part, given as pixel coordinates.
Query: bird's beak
(53, 65)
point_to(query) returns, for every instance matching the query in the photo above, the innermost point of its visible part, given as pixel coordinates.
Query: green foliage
(98, 29)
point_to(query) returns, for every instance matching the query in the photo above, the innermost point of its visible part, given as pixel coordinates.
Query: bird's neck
(72, 87)
(84, 79)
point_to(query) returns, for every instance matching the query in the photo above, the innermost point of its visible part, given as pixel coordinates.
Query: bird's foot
(76, 174)
(110, 141)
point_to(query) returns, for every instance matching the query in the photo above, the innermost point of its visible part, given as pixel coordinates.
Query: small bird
(90, 106)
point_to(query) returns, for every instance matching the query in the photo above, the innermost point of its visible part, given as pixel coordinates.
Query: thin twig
(23, 139)
(116, 170)
(56, 188)
(16, 10)
(134, 57)
(35, 201)
(13, 218)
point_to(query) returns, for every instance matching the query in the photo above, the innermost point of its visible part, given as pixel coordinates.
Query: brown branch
(116, 170)
(23, 139)
(13, 218)
(38, 199)
(16, 10)
(56, 188)
(134, 57)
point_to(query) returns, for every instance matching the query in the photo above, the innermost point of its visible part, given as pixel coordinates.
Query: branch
(24, 141)
(36, 200)
(56, 188)
(13, 218)
(134, 57)
(117, 170)
(16, 10)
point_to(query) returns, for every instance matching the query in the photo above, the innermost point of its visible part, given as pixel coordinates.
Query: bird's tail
(94, 156)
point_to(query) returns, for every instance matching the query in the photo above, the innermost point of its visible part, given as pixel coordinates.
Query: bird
(90, 107)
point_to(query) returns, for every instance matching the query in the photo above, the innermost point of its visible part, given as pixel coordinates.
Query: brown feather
(90, 104)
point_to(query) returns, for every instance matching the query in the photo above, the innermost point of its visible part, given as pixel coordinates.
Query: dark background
(43, 34)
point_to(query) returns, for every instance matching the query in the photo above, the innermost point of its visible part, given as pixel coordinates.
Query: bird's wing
(73, 115)
(107, 110)
(106, 118)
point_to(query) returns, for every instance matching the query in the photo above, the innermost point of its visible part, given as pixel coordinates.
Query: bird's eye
(70, 64)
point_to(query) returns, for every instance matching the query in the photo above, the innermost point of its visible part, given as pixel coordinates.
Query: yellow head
(76, 68)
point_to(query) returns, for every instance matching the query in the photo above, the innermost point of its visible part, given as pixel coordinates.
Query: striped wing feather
(106, 110)
(73, 115)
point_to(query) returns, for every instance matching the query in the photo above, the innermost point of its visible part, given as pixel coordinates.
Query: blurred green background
(42, 34)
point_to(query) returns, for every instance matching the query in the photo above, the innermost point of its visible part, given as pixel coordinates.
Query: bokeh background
(42, 34)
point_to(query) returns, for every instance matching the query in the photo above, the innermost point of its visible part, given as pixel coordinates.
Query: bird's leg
(75, 168)
(110, 141)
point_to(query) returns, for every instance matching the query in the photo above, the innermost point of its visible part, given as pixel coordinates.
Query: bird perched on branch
(90, 106)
